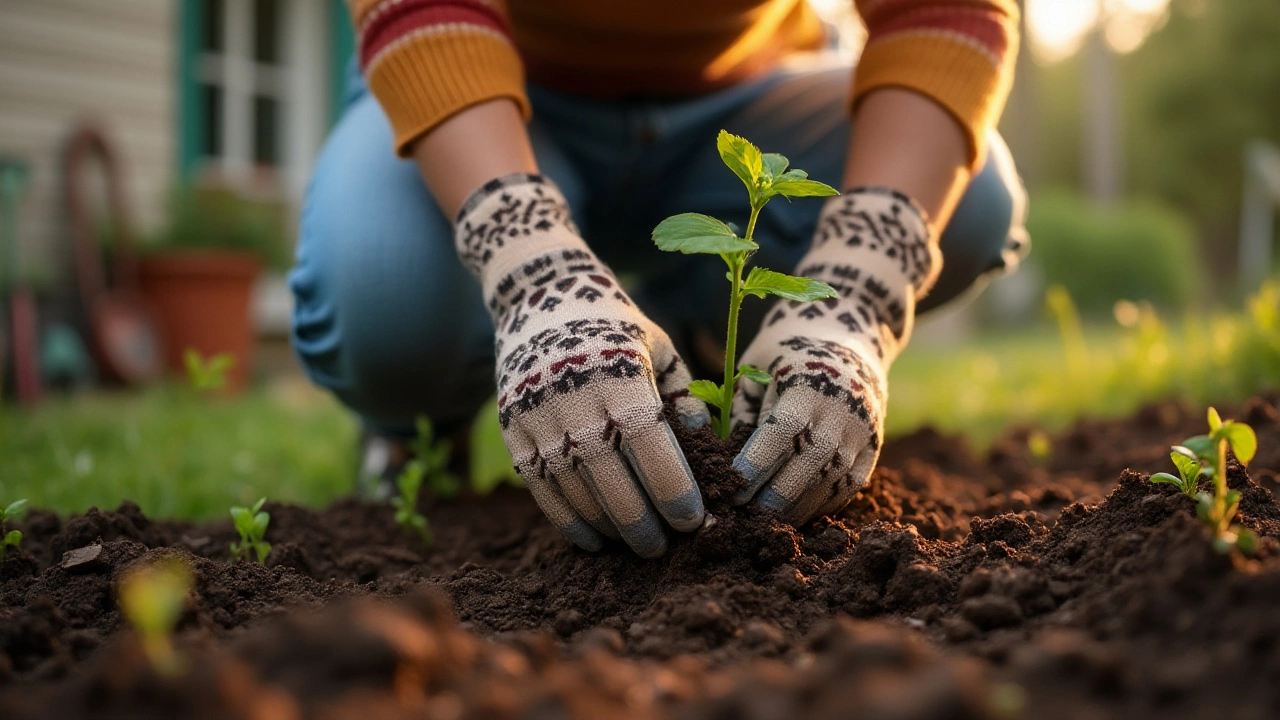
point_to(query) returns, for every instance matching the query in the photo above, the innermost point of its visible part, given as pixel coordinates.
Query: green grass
(175, 453)
(1050, 376)
(180, 454)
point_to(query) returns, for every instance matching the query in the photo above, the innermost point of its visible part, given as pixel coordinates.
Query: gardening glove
(582, 374)
(820, 423)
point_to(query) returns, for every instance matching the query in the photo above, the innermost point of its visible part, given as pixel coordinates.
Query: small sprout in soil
(207, 374)
(251, 523)
(14, 537)
(433, 455)
(430, 466)
(1039, 445)
(406, 503)
(765, 176)
(152, 598)
(1207, 455)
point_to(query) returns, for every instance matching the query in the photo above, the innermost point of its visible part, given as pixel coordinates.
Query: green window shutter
(190, 111)
(342, 47)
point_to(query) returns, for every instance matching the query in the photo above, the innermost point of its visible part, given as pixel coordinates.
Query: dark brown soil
(954, 587)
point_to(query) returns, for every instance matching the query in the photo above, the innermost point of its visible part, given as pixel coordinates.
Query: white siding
(113, 60)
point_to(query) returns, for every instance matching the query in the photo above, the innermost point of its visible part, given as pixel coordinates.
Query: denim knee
(385, 315)
(985, 236)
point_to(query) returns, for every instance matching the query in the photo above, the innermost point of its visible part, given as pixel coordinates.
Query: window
(241, 74)
(256, 89)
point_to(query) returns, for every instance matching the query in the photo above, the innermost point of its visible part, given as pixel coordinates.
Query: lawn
(181, 454)
(176, 453)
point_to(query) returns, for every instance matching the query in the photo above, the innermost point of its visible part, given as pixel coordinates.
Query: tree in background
(1190, 97)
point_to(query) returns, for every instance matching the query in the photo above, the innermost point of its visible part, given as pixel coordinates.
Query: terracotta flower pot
(202, 301)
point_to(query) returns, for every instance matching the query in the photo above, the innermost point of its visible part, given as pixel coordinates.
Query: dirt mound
(955, 586)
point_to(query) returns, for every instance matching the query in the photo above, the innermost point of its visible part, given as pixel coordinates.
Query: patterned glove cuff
(884, 234)
(499, 183)
(510, 221)
(873, 245)
(515, 234)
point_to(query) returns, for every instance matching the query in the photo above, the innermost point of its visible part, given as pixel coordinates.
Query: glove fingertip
(694, 421)
(580, 533)
(772, 500)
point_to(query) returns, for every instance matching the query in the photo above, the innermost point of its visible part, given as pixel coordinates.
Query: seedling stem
(1207, 455)
(765, 176)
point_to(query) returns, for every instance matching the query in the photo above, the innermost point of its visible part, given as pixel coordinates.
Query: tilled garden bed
(953, 587)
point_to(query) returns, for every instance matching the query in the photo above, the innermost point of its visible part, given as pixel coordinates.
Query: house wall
(61, 60)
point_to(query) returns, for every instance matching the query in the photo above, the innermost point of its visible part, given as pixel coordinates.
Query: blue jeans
(387, 318)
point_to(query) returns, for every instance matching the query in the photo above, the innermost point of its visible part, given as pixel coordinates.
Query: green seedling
(13, 538)
(1039, 445)
(765, 176)
(433, 455)
(430, 466)
(251, 523)
(152, 598)
(406, 503)
(1207, 455)
(207, 374)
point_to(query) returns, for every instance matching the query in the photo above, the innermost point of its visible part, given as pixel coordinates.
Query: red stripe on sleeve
(985, 25)
(407, 16)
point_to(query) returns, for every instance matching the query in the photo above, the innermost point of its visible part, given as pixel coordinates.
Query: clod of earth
(1009, 585)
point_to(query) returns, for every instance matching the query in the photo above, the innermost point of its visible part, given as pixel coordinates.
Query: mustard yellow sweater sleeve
(960, 53)
(425, 60)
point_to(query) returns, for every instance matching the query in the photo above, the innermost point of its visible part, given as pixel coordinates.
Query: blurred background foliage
(1203, 82)
(1103, 254)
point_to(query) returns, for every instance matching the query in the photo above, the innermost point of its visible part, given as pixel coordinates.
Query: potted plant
(199, 274)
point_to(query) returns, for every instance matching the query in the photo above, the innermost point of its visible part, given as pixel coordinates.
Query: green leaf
(1232, 497)
(755, 374)
(1166, 478)
(774, 165)
(1203, 446)
(762, 282)
(742, 157)
(1241, 438)
(242, 519)
(13, 538)
(257, 507)
(1204, 505)
(1188, 468)
(263, 550)
(801, 188)
(706, 391)
(15, 509)
(1215, 420)
(260, 522)
(694, 233)
(1246, 539)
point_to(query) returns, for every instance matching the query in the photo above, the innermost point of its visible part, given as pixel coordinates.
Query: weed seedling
(766, 176)
(406, 503)
(152, 599)
(430, 466)
(14, 537)
(207, 374)
(433, 455)
(251, 523)
(1207, 455)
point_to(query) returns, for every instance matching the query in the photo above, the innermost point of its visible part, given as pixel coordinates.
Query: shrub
(1132, 251)
(219, 219)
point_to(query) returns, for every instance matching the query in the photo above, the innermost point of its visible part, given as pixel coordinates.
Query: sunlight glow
(1058, 27)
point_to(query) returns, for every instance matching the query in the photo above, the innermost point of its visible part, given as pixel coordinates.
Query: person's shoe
(381, 459)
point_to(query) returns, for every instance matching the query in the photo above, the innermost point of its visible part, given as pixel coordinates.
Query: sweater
(426, 60)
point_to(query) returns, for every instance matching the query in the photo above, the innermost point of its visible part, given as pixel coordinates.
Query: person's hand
(821, 421)
(582, 374)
